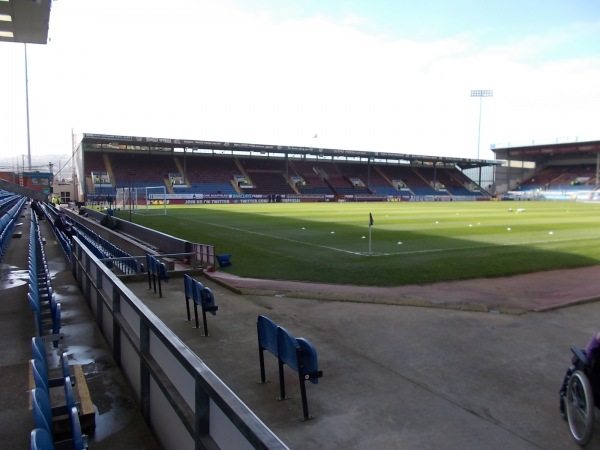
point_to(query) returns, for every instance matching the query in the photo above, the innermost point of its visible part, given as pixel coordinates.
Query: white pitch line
(439, 250)
(414, 252)
(286, 239)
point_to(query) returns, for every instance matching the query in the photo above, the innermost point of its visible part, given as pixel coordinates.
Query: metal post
(282, 395)
(27, 110)
(480, 93)
(597, 169)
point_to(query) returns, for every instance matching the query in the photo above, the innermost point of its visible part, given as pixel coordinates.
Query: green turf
(410, 242)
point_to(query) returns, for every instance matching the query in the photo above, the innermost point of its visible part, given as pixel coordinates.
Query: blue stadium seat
(267, 334)
(41, 440)
(208, 300)
(42, 411)
(224, 260)
(79, 439)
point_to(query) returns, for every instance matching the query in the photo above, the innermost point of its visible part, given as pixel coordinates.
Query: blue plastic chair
(64, 362)
(79, 439)
(189, 286)
(42, 411)
(208, 300)
(40, 375)
(224, 260)
(41, 440)
(69, 397)
(267, 340)
(309, 361)
(38, 350)
(267, 334)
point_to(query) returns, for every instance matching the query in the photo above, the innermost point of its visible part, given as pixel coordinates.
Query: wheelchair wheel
(580, 407)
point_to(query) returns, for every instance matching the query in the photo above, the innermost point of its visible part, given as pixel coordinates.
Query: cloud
(219, 73)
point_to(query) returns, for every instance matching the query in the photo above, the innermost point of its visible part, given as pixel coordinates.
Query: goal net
(143, 200)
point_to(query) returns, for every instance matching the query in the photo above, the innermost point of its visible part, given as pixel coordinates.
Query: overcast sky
(359, 74)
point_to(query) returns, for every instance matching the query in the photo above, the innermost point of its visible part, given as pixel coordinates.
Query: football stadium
(174, 280)
(189, 294)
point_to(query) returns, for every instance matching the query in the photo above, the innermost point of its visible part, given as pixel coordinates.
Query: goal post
(148, 200)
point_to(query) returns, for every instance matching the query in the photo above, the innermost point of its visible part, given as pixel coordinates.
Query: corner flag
(370, 220)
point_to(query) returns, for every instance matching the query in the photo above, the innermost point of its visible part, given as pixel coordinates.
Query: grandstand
(226, 171)
(557, 170)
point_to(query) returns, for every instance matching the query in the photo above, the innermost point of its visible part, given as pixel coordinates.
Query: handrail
(167, 378)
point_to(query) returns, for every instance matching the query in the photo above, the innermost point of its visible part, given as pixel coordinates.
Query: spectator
(64, 226)
(37, 208)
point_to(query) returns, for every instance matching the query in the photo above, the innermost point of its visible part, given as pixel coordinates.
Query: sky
(392, 76)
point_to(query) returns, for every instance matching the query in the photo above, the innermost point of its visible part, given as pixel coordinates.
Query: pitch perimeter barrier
(133, 238)
(185, 404)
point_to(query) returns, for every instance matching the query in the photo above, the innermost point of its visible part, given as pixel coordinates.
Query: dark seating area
(415, 181)
(577, 177)
(133, 170)
(315, 183)
(368, 175)
(94, 162)
(266, 183)
(450, 181)
(212, 174)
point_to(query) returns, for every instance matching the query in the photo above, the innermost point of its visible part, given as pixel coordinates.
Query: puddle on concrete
(13, 278)
(66, 289)
(83, 356)
(114, 410)
(113, 413)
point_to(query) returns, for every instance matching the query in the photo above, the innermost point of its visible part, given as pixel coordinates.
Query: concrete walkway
(465, 376)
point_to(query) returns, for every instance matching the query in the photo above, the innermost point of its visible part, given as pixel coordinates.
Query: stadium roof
(25, 21)
(545, 151)
(115, 142)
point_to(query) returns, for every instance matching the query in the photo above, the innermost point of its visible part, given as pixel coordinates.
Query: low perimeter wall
(185, 404)
(134, 238)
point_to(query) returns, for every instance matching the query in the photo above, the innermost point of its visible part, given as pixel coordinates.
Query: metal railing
(185, 404)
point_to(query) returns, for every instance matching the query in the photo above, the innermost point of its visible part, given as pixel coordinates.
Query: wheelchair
(580, 395)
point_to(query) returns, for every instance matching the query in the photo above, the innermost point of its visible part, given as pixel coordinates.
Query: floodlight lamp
(482, 93)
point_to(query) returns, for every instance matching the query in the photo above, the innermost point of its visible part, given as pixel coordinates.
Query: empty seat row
(46, 310)
(10, 208)
(104, 249)
(56, 417)
(57, 411)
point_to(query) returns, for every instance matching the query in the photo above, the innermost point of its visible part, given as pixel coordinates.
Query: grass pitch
(409, 243)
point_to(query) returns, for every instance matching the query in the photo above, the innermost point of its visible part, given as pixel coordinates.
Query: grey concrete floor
(395, 376)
